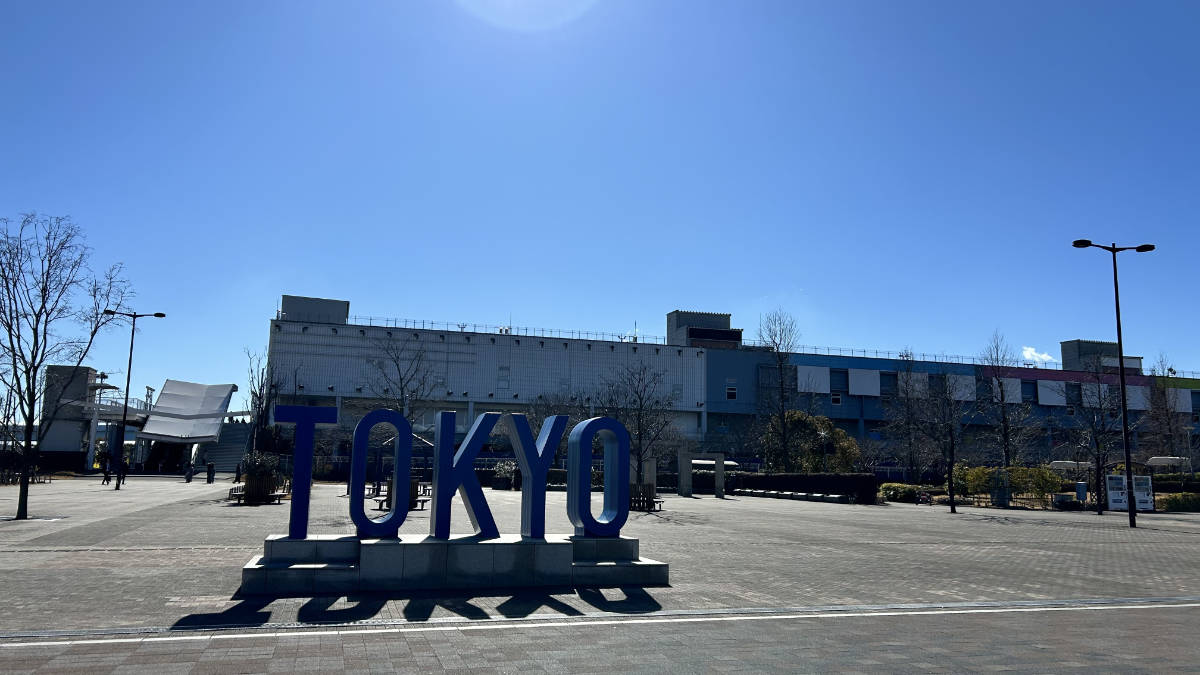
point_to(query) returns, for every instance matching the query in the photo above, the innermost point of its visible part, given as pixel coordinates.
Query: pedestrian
(122, 469)
(237, 478)
(212, 472)
(107, 472)
(189, 472)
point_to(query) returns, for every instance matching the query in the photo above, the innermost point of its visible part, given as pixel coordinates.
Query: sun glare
(528, 15)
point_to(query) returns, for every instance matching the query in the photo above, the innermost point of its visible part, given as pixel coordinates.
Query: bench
(382, 503)
(643, 498)
(238, 492)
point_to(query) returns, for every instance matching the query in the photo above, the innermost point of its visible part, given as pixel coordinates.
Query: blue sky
(895, 174)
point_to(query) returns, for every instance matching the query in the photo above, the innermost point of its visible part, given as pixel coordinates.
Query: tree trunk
(1005, 440)
(1099, 484)
(950, 481)
(26, 463)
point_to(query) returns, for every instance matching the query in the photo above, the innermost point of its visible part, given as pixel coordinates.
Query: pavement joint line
(299, 627)
(502, 625)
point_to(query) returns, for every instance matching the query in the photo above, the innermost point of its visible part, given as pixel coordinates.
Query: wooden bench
(238, 492)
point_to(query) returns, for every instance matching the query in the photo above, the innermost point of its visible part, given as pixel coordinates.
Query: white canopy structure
(712, 462)
(1068, 465)
(186, 412)
(1169, 461)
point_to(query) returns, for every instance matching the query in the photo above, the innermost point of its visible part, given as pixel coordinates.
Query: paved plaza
(146, 579)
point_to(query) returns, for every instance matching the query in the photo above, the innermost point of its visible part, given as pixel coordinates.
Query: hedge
(864, 487)
(1179, 501)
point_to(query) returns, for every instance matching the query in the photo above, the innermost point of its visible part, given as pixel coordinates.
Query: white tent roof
(1067, 464)
(1168, 461)
(187, 412)
(712, 462)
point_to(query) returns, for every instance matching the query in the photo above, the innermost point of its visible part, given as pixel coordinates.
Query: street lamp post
(1130, 501)
(133, 317)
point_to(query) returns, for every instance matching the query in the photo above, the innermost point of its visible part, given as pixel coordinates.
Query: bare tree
(1004, 415)
(904, 420)
(404, 379)
(778, 333)
(51, 310)
(1096, 430)
(637, 395)
(574, 406)
(265, 384)
(946, 416)
(1166, 426)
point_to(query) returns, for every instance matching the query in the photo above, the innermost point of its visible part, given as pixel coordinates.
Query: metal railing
(640, 338)
(524, 331)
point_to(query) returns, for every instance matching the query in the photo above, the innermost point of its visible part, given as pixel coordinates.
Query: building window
(1028, 391)
(888, 384)
(334, 330)
(1070, 411)
(839, 380)
(835, 399)
(730, 393)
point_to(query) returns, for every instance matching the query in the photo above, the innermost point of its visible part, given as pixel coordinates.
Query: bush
(899, 492)
(862, 487)
(1038, 481)
(258, 464)
(1177, 502)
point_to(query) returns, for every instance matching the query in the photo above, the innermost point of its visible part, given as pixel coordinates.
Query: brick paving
(161, 555)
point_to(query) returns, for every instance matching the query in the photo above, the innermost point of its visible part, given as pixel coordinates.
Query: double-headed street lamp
(133, 317)
(1130, 501)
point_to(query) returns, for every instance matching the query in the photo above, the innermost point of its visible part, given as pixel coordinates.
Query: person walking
(107, 472)
(212, 472)
(122, 469)
(187, 475)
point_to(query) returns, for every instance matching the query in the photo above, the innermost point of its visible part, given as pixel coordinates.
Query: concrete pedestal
(344, 564)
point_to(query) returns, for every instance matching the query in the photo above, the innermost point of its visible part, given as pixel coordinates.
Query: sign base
(321, 564)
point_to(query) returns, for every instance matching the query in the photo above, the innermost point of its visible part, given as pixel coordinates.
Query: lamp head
(1144, 248)
(109, 312)
(1081, 243)
(159, 315)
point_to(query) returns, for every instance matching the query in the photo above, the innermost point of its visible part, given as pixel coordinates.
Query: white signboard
(1115, 484)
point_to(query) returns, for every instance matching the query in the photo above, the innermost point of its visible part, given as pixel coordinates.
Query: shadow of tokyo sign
(454, 472)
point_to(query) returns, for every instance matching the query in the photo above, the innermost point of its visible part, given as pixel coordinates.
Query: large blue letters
(534, 460)
(306, 419)
(456, 472)
(616, 477)
(389, 525)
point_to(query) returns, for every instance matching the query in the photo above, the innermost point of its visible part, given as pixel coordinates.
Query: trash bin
(1081, 491)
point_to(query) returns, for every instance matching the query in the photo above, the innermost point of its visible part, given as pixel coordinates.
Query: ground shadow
(420, 606)
(636, 601)
(248, 612)
(318, 609)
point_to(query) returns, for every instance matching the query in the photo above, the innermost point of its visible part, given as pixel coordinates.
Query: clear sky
(895, 174)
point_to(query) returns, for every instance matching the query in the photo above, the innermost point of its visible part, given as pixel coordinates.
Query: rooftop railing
(524, 331)
(635, 337)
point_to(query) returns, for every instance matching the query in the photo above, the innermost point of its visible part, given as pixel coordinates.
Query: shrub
(259, 464)
(1178, 501)
(899, 492)
(1038, 481)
